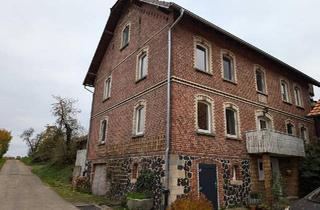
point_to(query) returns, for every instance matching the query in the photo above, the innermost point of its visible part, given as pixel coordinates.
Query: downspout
(87, 144)
(167, 159)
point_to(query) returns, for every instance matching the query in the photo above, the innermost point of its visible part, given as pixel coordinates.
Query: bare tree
(66, 117)
(31, 140)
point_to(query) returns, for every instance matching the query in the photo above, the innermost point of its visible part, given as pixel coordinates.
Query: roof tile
(315, 110)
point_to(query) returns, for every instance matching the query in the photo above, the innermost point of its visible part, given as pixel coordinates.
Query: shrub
(191, 202)
(81, 184)
(145, 182)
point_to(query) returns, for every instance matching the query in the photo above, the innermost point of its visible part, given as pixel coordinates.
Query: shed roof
(315, 112)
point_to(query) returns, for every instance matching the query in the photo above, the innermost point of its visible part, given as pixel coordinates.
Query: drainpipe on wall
(168, 117)
(87, 145)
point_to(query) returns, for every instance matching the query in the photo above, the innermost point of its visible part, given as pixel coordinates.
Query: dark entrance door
(208, 182)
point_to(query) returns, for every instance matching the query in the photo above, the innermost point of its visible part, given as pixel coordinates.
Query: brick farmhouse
(206, 111)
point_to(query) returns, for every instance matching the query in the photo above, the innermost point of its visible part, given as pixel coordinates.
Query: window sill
(300, 107)
(106, 99)
(124, 46)
(140, 79)
(136, 136)
(230, 81)
(287, 102)
(262, 93)
(202, 133)
(236, 138)
(101, 144)
(204, 72)
(236, 182)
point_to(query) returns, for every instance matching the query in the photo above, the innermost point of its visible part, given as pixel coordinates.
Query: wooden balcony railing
(268, 141)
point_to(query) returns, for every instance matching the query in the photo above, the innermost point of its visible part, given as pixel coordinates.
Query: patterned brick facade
(188, 148)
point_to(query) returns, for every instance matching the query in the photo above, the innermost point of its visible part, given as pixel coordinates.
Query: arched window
(228, 68)
(139, 118)
(125, 36)
(290, 128)
(103, 131)
(142, 64)
(202, 55)
(204, 116)
(107, 88)
(284, 91)
(297, 96)
(260, 80)
(232, 121)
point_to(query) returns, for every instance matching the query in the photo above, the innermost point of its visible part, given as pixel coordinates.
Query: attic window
(125, 36)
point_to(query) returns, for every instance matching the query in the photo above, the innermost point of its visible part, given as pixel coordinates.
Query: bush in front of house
(191, 202)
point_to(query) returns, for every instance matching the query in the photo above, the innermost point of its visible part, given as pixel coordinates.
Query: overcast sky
(46, 47)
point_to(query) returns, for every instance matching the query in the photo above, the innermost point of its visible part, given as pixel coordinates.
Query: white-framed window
(264, 120)
(142, 64)
(232, 122)
(290, 128)
(236, 173)
(204, 116)
(103, 131)
(228, 68)
(107, 88)
(297, 96)
(125, 36)
(139, 118)
(260, 170)
(202, 55)
(285, 91)
(260, 80)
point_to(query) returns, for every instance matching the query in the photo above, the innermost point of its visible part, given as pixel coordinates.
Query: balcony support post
(267, 177)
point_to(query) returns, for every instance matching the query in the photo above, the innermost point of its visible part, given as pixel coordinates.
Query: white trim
(207, 45)
(232, 57)
(235, 108)
(256, 68)
(259, 113)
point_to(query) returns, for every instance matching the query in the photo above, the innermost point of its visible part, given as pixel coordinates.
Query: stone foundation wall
(119, 175)
(184, 178)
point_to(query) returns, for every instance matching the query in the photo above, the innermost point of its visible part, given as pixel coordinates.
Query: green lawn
(2, 162)
(59, 178)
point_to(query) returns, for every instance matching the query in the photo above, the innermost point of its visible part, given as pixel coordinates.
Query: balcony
(273, 142)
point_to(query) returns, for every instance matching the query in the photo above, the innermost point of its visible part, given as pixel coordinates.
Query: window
(204, 116)
(142, 65)
(103, 131)
(139, 122)
(304, 133)
(260, 170)
(231, 122)
(236, 172)
(107, 88)
(202, 58)
(264, 123)
(290, 128)
(125, 36)
(228, 68)
(297, 96)
(284, 91)
(260, 79)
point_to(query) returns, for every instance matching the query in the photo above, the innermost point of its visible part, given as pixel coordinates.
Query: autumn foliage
(191, 202)
(5, 137)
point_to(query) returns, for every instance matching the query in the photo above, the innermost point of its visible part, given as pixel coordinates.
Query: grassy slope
(2, 162)
(59, 178)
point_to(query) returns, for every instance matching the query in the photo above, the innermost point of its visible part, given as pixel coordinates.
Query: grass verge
(2, 160)
(59, 178)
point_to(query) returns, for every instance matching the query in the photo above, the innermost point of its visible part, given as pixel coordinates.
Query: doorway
(208, 183)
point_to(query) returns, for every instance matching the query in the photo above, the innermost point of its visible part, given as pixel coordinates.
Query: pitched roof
(115, 15)
(315, 110)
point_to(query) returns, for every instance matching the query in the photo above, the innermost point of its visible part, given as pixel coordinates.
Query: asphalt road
(22, 190)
